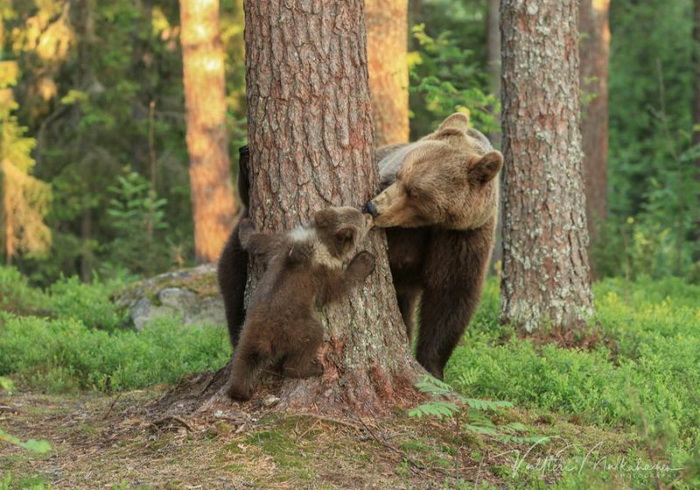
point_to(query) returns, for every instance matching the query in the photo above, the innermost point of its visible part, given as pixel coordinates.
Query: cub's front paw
(363, 263)
(238, 393)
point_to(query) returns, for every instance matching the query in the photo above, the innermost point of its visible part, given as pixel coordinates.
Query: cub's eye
(410, 193)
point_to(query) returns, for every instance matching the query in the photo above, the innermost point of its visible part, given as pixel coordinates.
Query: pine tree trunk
(493, 46)
(387, 50)
(546, 277)
(594, 49)
(311, 139)
(493, 59)
(8, 226)
(213, 206)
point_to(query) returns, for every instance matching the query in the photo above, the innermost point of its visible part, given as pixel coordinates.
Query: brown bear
(232, 271)
(306, 268)
(439, 204)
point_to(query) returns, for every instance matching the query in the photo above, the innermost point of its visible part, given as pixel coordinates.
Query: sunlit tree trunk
(493, 59)
(546, 277)
(213, 206)
(493, 45)
(594, 49)
(387, 46)
(7, 218)
(311, 139)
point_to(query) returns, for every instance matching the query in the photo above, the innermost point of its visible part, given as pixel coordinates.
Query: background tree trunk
(310, 138)
(493, 46)
(594, 49)
(387, 50)
(546, 277)
(493, 60)
(213, 206)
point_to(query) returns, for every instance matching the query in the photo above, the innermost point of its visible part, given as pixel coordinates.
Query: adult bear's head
(446, 179)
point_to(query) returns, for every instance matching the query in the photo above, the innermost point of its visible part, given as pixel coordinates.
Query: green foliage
(15, 293)
(477, 422)
(138, 220)
(444, 79)
(653, 188)
(32, 444)
(86, 303)
(109, 96)
(58, 355)
(25, 199)
(6, 384)
(643, 376)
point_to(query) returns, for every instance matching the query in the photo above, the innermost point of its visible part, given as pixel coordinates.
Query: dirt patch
(147, 439)
(115, 441)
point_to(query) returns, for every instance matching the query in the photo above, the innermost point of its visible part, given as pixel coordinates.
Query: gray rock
(191, 295)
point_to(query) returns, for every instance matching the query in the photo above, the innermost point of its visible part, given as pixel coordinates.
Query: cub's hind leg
(300, 360)
(249, 359)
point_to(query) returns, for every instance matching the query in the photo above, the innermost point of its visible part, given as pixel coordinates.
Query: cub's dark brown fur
(306, 269)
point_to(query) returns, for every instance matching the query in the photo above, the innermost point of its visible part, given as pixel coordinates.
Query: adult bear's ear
(458, 120)
(488, 166)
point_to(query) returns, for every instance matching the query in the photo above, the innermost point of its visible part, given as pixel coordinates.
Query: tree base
(371, 392)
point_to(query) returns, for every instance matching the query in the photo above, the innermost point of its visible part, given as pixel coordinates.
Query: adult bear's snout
(370, 209)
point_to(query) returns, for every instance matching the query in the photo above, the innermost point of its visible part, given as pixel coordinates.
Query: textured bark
(213, 207)
(387, 50)
(546, 277)
(493, 59)
(493, 46)
(594, 49)
(8, 222)
(310, 136)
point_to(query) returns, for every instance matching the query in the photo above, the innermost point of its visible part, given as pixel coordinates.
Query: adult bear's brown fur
(439, 203)
(306, 269)
(232, 272)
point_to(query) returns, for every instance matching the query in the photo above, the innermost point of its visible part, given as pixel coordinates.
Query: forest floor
(615, 406)
(117, 442)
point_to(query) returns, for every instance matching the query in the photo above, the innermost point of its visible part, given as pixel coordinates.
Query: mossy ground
(111, 441)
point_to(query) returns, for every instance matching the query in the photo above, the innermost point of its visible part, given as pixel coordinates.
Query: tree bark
(387, 51)
(213, 207)
(546, 277)
(493, 46)
(7, 216)
(493, 60)
(311, 139)
(594, 49)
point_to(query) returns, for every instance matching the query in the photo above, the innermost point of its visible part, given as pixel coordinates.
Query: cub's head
(446, 179)
(341, 230)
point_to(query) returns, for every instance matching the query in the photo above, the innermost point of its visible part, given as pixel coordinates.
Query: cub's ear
(458, 120)
(344, 239)
(324, 218)
(345, 234)
(487, 167)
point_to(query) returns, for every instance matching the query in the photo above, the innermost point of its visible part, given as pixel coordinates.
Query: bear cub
(306, 268)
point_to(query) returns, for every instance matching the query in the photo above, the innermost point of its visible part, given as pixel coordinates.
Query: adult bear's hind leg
(232, 275)
(407, 307)
(454, 277)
